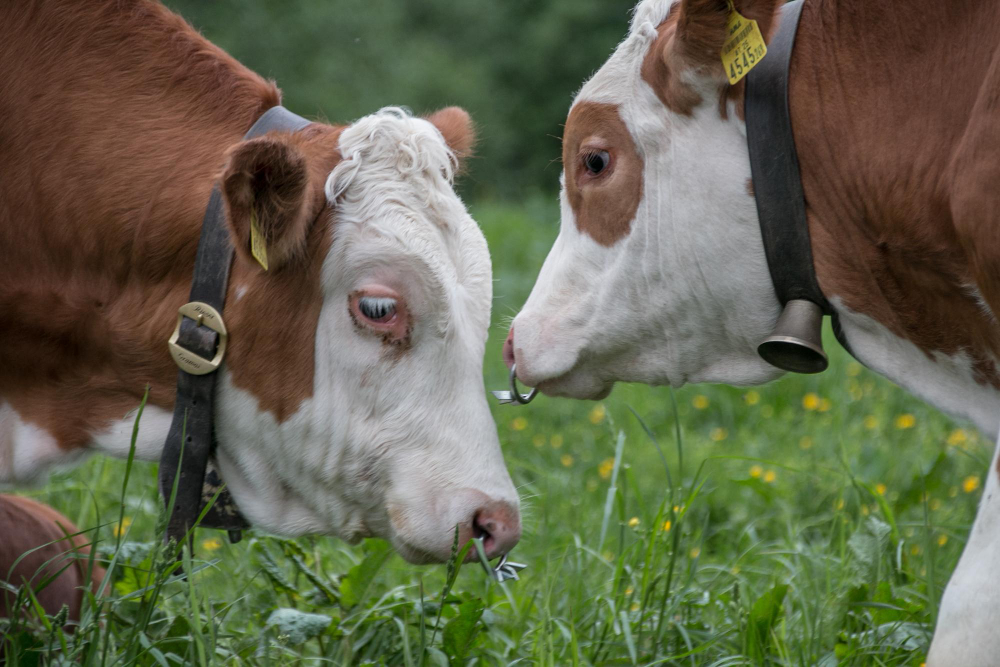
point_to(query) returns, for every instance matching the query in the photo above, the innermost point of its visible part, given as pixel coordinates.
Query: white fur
(639, 310)
(969, 614)
(942, 380)
(116, 439)
(27, 451)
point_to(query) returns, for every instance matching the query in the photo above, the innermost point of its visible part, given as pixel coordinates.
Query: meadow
(811, 521)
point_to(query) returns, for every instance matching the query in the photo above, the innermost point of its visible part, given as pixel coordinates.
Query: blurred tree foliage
(513, 64)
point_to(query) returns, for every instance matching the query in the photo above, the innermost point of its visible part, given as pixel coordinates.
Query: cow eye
(377, 308)
(596, 162)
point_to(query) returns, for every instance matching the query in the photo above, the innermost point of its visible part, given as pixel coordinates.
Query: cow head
(658, 274)
(352, 399)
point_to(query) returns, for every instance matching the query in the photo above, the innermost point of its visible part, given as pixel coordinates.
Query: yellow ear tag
(744, 46)
(257, 247)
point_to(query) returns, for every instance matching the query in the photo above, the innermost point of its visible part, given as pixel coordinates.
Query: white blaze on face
(658, 274)
(397, 440)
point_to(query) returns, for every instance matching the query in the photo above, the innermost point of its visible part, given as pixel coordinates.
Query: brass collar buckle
(204, 315)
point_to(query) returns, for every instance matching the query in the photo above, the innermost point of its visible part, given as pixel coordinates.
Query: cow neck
(200, 336)
(777, 182)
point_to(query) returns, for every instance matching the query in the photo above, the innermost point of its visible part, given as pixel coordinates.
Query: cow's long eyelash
(377, 307)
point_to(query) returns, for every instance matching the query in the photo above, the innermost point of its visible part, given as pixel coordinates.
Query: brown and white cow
(659, 275)
(43, 549)
(351, 401)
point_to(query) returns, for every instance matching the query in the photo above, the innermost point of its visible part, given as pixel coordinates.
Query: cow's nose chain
(514, 395)
(504, 570)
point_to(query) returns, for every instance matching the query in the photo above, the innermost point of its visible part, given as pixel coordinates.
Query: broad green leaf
(354, 587)
(461, 631)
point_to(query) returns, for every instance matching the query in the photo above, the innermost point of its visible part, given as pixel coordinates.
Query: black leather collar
(191, 440)
(774, 165)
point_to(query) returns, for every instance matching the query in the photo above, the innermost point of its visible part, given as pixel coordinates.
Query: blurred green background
(514, 65)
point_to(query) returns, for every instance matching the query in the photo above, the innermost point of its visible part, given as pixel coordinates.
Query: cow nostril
(508, 349)
(483, 530)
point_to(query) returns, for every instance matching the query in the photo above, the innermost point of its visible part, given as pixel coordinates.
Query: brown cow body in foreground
(116, 119)
(659, 273)
(39, 534)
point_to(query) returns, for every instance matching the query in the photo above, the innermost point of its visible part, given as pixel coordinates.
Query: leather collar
(198, 346)
(777, 183)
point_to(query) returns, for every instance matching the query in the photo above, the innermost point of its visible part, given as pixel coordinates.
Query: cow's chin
(577, 385)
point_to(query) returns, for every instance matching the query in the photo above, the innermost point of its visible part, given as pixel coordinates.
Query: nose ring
(515, 395)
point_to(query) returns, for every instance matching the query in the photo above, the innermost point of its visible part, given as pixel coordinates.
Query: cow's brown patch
(111, 145)
(26, 525)
(691, 38)
(603, 206)
(899, 164)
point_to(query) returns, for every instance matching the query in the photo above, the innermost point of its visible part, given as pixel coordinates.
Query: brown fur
(605, 206)
(691, 37)
(116, 118)
(898, 136)
(25, 525)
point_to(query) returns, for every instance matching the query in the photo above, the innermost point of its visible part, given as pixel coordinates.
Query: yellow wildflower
(597, 414)
(538, 440)
(756, 471)
(915, 550)
(718, 434)
(566, 460)
(604, 470)
(853, 369)
(608, 556)
(211, 544)
(905, 421)
(770, 476)
(700, 402)
(864, 510)
(957, 437)
(519, 424)
(695, 552)
(556, 441)
(942, 540)
(810, 401)
(628, 591)
(122, 527)
(970, 483)
(870, 422)
(634, 607)
(751, 397)
(633, 522)
(806, 442)
(880, 489)
(667, 525)
(840, 504)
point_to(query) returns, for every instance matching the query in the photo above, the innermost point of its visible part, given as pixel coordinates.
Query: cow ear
(456, 127)
(265, 188)
(701, 31)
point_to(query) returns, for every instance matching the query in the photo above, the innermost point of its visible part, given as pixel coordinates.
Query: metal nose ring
(523, 399)
(515, 395)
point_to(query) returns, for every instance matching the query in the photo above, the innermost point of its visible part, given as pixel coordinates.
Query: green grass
(814, 520)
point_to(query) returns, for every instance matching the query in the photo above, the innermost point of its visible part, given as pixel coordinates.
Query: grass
(811, 521)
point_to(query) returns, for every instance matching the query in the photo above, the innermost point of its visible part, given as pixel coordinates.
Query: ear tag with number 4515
(744, 46)
(257, 246)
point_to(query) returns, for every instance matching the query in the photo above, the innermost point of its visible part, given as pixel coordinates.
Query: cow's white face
(396, 439)
(658, 274)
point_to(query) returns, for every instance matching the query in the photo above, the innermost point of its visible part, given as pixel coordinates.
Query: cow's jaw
(685, 283)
